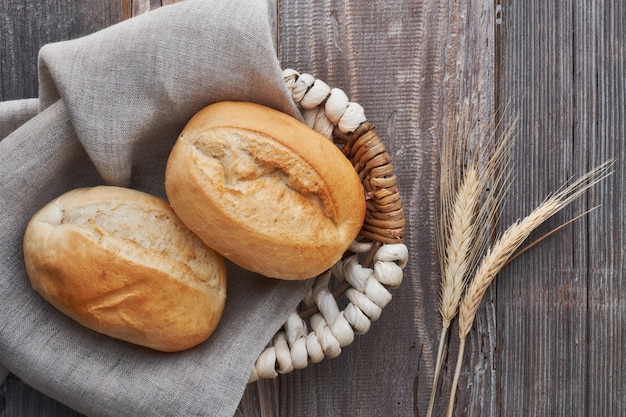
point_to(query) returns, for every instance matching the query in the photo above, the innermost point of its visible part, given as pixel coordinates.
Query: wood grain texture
(560, 308)
(409, 64)
(549, 338)
(601, 46)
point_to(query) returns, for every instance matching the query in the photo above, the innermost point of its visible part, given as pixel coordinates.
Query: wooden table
(549, 339)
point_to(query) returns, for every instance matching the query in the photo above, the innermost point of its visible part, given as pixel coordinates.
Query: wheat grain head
(465, 230)
(462, 227)
(502, 250)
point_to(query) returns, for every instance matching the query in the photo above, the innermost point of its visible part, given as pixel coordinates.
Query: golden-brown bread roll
(264, 190)
(120, 262)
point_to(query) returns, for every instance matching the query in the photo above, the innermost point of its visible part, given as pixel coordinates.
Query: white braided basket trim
(324, 109)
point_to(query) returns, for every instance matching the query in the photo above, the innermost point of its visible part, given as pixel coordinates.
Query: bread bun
(120, 262)
(265, 190)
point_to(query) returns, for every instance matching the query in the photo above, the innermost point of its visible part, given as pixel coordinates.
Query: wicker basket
(375, 261)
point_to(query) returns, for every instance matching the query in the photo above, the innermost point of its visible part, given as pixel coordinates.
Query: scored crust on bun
(265, 190)
(120, 262)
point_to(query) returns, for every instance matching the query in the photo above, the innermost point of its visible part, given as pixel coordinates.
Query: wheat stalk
(464, 212)
(504, 248)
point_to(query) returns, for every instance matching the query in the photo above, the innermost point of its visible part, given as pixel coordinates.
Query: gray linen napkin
(15, 113)
(110, 107)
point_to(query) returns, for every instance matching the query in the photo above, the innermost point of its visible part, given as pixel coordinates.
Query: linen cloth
(110, 107)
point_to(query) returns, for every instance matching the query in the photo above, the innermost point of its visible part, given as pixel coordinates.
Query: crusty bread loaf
(265, 190)
(120, 262)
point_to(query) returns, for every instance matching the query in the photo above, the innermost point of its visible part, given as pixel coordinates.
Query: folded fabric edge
(14, 113)
(162, 93)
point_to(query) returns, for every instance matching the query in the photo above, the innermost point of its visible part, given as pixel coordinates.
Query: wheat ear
(505, 247)
(462, 228)
(461, 241)
(459, 196)
(462, 232)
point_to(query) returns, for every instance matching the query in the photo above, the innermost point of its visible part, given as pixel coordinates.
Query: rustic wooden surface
(549, 338)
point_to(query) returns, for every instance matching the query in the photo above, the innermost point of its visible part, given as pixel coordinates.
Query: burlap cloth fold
(110, 107)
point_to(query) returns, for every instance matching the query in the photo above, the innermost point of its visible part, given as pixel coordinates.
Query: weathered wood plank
(542, 299)
(407, 63)
(560, 310)
(600, 46)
